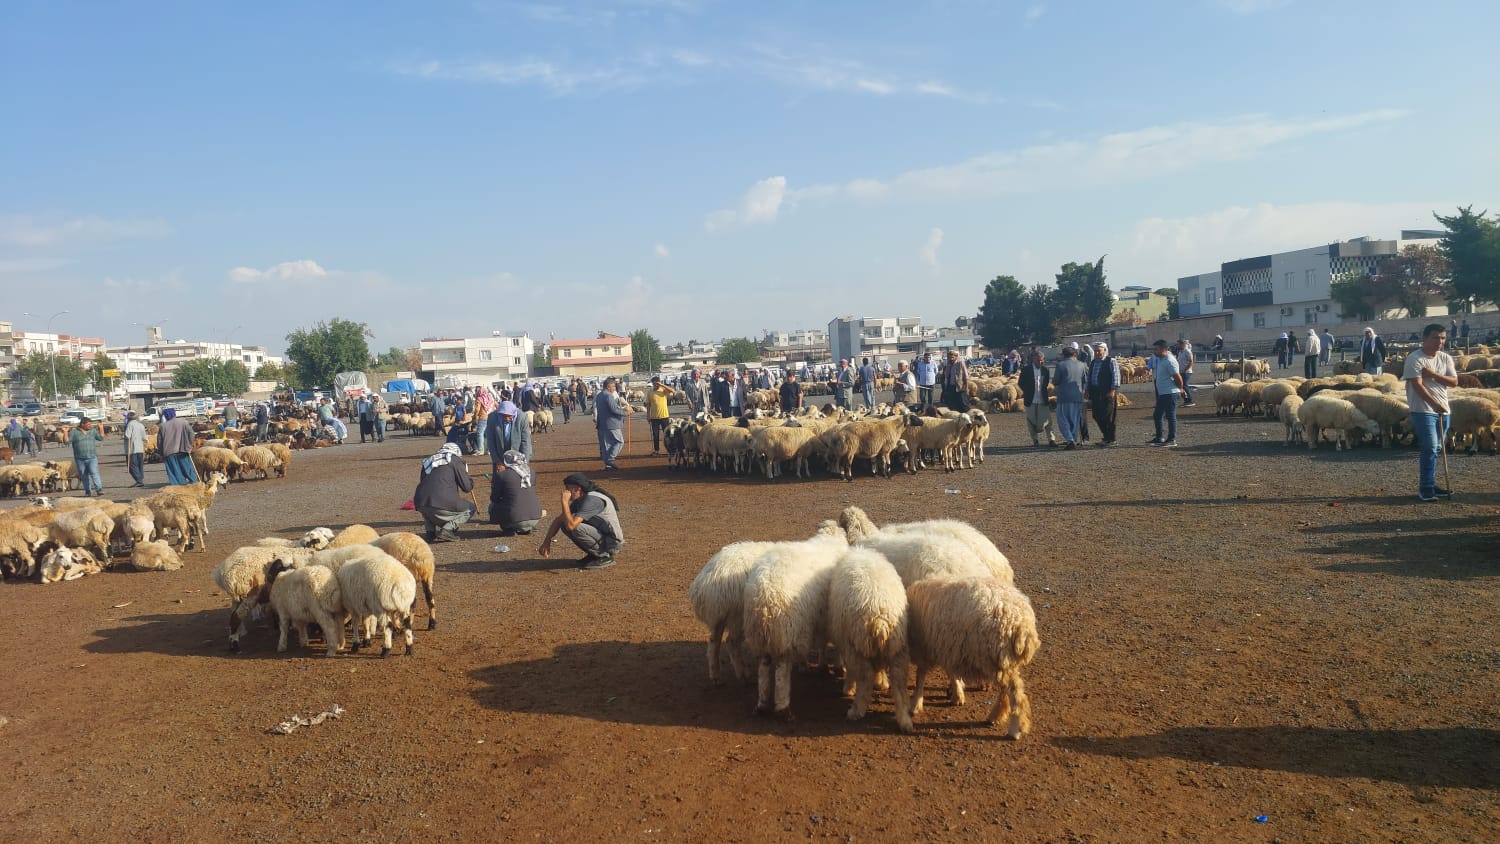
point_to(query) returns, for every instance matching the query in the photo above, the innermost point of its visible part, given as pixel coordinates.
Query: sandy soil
(1231, 630)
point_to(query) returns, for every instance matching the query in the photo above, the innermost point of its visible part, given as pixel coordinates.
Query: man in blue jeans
(84, 438)
(1428, 373)
(1168, 381)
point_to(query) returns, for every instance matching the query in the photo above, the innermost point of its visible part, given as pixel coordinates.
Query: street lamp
(54, 348)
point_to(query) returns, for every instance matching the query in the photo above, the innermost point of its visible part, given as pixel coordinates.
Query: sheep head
(317, 538)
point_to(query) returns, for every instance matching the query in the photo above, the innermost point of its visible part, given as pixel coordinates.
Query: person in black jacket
(1034, 380)
(439, 496)
(514, 505)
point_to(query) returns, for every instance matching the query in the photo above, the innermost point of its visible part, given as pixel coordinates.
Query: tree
(97, 368)
(326, 350)
(212, 375)
(1037, 311)
(540, 357)
(1002, 317)
(270, 372)
(38, 369)
(392, 359)
(1408, 280)
(645, 352)
(1351, 293)
(1472, 248)
(1083, 300)
(1170, 294)
(737, 350)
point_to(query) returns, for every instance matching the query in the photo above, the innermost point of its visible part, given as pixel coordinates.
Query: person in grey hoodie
(1068, 378)
(135, 448)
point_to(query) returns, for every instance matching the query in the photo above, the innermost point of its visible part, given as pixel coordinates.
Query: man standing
(737, 391)
(843, 382)
(1371, 352)
(1034, 381)
(135, 448)
(581, 393)
(1326, 341)
(1312, 349)
(1068, 377)
(905, 383)
(1463, 333)
(926, 378)
(1168, 383)
(174, 442)
(867, 376)
(696, 390)
(956, 383)
(231, 416)
(1104, 384)
(791, 394)
(1281, 350)
(504, 433)
(377, 418)
(439, 410)
(84, 440)
(1185, 360)
(262, 423)
(1428, 374)
(657, 412)
(366, 424)
(609, 418)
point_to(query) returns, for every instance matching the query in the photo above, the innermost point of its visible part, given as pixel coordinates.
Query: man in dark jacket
(439, 496)
(1371, 352)
(1034, 380)
(1104, 385)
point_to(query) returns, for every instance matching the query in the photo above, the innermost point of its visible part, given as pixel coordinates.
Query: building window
(588, 353)
(1260, 319)
(515, 361)
(1288, 280)
(567, 353)
(515, 341)
(1310, 315)
(484, 354)
(1211, 296)
(1311, 274)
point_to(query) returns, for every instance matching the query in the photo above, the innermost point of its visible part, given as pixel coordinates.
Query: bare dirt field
(1230, 631)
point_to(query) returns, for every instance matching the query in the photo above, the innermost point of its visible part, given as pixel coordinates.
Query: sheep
(413, 552)
(777, 444)
(67, 472)
(1228, 395)
(941, 435)
(88, 529)
(873, 439)
(725, 442)
(241, 576)
(29, 478)
(283, 454)
(974, 628)
(302, 596)
(1389, 412)
(64, 563)
(378, 587)
(867, 621)
(181, 513)
(19, 542)
(154, 556)
(913, 560)
(717, 597)
(1473, 416)
(317, 539)
(139, 524)
(541, 421)
(354, 535)
(207, 459)
(1274, 393)
(200, 494)
(1344, 420)
(257, 458)
(979, 432)
(1290, 405)
(785, 612)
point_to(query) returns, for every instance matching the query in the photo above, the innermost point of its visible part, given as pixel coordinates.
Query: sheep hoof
(234, 647)
(408, 651)
(431, 624)
(385, 652)
(761, 710)
(854, 714)
(354, 647)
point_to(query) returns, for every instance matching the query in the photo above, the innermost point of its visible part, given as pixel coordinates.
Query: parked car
(31, 408)
(78, 414)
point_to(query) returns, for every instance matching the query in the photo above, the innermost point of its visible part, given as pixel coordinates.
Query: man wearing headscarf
(507, 431)
(439, 494)
(174, 442)
(590, 517)
(514, 505)
(1312, 347)
(1371, 352)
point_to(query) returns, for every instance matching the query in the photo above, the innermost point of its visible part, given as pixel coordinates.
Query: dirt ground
(1230, 631)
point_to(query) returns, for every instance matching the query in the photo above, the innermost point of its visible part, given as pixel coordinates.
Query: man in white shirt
(1428, 374)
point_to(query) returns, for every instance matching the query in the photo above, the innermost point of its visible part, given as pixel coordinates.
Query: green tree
(326, 350)
(38, 370)
(1472, 248)
(1351, 292)
(1037, 311)
(1170, 294)
(213, 376)
(96, 369)
(737, 350)
(391, 359)
(540, 357)
(1002, 317)
(270, 372)
(645, 352)
(1409, 280)
(1083, 300)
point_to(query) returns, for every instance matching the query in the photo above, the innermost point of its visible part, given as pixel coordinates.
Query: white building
(799, 338)
(164, 357)
(876, 337)
(465, 361)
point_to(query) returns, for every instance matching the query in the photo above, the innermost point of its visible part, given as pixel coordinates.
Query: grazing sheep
(776, 444)
(354, 535)
(413, 552)
(241, 576)
(208, 459)
(1289, 408)
(65, 563)
(257, 458)
(1389, 412)
(303, 596)
(871, 439)
(154, 556)
(380, 588)
(914, 561)
(1326, 411)
(975, 629)
(67, 472)
(1475, 416)
(785, 613)
(88, 528)
(867, 622)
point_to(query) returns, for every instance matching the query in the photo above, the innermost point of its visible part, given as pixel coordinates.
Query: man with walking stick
(1428, 373)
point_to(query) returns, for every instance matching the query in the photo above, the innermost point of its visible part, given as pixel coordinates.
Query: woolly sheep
(871, 439)
(912, 560)
(303, 596)
(354, 535)
(378, 588)
(83, 529)
(1288, 410)
(65, 563)
(317, 539)
(209, 458)
(1475, 416)
(1326, 411)
(19, 542)
(154, 556)
(140, 524)
(67, 472)
(1390, 413)
(257, 458)
(413, 552)
(867, 622)
(283, 454)
(241, 575)
(785, 612)
(943, 436)
(975, 629)
(777, 444)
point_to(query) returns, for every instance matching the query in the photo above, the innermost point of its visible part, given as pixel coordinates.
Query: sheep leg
(763, 692)
(736, 643)
(333, 633)
(1013, 702)
(714, 636)
(916, 700)
(403, 622)
(431, 605)
(235, 624)
(862, 675)
(956, 691)
(358, 628)
(897, 674)
(783, 689)
(285, 624)
(383, 625)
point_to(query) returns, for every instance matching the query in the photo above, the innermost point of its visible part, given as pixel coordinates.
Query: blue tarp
(408, 385)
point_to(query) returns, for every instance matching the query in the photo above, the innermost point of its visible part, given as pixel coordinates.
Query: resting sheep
(354, 535)
(975, 629)
(154, 556)
(68, 564)
(317, 539)
(379, 588)
(867, 621)
(88, 529)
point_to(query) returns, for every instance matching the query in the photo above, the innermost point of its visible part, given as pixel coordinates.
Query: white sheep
(354, 535)
(154, 556)
(1288, 409)
(303, 596)
(317, 539)
(975, 629)
(1326, 411)
(88, 528)
(65, 563)
(413, 552)
(867, 622)
(785, 614)
(776, 444)
(912, 560)
(378, 587)
(258, 458)
(19, 542)
(241, 576)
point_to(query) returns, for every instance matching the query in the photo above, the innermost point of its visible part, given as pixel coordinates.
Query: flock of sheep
(931, 594)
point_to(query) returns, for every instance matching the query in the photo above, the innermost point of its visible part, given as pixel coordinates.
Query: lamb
(258, 458)
(317, 539)
(413, 552)
(717, 596)
(867, 621)
(354, 535)
(785, 612)
(208, 459)
(979, 432)
(1344, 420)
(182, 514)
(241, 576)
(88, 529)
(1290, 405)
(302, 596)
(1274, 393)
(64, 563)
(201, 494)
(154, 556)
(914, 561)
(975, 629)
(378, 587)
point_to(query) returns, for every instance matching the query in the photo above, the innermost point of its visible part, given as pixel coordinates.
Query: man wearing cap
(1168, 383)
(504, 432)
(926, 371)
(1184, 355)
(956, 383)
(1104, 385)
(609, 418)
(696, 390)
(843, 381)
(1371, 352)
(135, 448)
(656, 411)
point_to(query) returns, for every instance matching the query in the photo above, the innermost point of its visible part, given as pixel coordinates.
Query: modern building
(164, 357)
(464, 361)
(606, 354)
(1138, 305)
(15, 345)
(877, 337)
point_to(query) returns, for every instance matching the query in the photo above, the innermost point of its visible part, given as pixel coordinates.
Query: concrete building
(1138, 305)
(163, 358)
(877, 337)
(606, 354)
(16, 345)
(463, 361)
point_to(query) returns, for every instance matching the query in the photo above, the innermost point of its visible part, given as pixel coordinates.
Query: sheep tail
(857, 524)
(1026, 644)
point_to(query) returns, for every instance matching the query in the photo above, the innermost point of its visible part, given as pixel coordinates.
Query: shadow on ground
(1444, 757)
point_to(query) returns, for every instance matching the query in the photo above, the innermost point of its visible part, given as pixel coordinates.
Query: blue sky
(700, 168)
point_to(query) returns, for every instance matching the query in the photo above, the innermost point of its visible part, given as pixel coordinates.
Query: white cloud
(931, 247)
(1034, 12)
(662, 251)
(32, 232)
(761, 204)
(284, 271)
(529, 71)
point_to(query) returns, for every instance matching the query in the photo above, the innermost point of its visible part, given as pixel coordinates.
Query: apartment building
(606, 354)
(463, 361)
